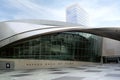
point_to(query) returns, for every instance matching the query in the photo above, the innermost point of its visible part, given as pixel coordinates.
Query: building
(111, 50)
(76, 14)
(30, 44)
(39, 44)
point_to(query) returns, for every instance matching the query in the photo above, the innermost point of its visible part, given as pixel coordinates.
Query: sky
(102, 13)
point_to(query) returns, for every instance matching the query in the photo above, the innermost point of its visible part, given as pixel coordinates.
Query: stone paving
(86, 72)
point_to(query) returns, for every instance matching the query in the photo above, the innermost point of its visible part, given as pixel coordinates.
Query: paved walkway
(86, 72)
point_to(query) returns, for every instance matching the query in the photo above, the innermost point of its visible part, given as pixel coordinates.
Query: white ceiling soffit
(11, 31)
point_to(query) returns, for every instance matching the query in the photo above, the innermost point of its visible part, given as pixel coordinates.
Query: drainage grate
(103, 67)
(54, 70)
(28, 71)
(93, 71)
(69, 78)
(20, 75)
(59, 72)
(80, 68)
(117, 69)
(113, 75)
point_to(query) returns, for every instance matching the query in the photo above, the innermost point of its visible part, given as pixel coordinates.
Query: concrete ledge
(36, 64)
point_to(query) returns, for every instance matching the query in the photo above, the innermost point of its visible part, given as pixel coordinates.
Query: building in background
(76, 14)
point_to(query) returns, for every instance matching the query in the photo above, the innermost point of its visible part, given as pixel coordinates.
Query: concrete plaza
(85, 72)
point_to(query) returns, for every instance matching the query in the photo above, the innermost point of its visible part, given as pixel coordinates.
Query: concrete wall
(7, 65)
(111, 47)
(35, 64)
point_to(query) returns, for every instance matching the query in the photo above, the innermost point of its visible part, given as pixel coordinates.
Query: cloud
(105, 14)
(30, 10)
(100, 11)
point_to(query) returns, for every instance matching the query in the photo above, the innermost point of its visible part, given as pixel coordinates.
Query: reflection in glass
(75, 46)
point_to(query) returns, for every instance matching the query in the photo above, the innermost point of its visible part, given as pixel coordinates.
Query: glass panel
(75, 46)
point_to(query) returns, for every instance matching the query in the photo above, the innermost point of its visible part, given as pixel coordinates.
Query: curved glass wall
(75, 46)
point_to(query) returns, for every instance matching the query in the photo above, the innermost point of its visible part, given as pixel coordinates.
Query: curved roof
(11, 31)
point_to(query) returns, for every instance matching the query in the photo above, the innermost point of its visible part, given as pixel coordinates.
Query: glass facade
(74, 46)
